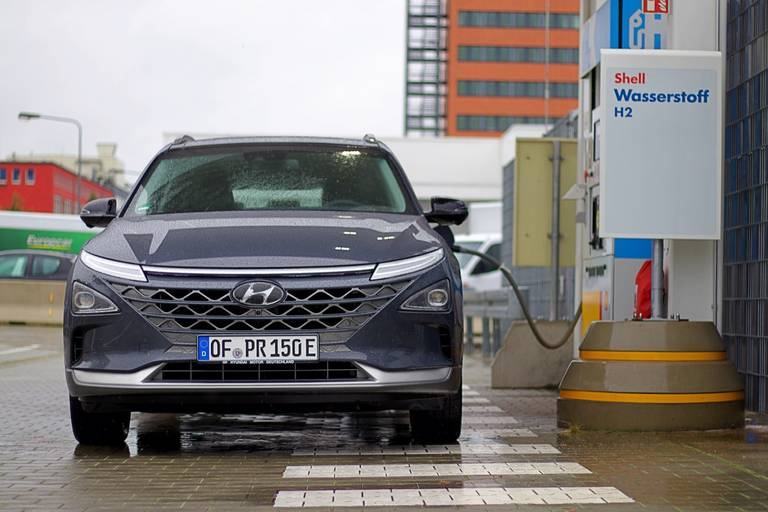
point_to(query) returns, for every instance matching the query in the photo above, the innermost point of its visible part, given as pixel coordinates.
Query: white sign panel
(661, 144)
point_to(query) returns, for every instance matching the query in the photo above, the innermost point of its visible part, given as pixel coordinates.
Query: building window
(3, 176)
(514, 54)
(29, 179)
(517, 19)
(494, 123)
(67, 206)
(16, 176)
(502, 88)
(57, 204)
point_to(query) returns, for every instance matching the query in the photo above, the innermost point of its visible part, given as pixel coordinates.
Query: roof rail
(369, 137)
(183, 139)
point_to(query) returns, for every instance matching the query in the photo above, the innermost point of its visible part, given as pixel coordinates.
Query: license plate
(259, 349)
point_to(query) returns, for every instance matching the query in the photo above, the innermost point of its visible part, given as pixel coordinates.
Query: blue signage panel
(621, 24)
(631, 248)
(642, 31)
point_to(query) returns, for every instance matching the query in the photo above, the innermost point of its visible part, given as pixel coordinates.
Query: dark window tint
(13, 266)
(45, 266)
(517, 19)
(16, 176)
(503, 88)
(270, 179)
(483, 266)
(3, 176)
(515, 54)
(493, 123)
(30, 178)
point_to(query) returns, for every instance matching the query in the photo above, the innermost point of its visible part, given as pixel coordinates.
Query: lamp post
(29, 116)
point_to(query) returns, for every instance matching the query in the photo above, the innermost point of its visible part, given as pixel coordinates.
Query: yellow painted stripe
(626, 355)
(653, 398)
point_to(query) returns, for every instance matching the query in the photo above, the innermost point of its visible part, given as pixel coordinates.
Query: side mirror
(447, 211)
(99, 212)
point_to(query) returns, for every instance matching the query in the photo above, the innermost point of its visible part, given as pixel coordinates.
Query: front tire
(106, 429)
(438, 426)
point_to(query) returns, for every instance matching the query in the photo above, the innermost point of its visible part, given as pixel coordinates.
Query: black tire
(105, 429)
(438, 426)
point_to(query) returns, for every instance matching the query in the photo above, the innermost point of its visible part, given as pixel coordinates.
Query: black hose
(523, 305)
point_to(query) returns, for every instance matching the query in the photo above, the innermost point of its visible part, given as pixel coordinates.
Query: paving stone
(517, 457)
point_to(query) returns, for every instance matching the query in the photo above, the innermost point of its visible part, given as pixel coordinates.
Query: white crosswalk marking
(487, 420)
(465, 449)
(498, 432)
(433, 470)
(482, 408)
(482, 438)
(451, 496)
(475, 400)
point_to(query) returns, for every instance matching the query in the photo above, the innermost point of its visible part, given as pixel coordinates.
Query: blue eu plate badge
(203, 349)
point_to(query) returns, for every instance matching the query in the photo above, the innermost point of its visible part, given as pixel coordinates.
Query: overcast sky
(130, 70)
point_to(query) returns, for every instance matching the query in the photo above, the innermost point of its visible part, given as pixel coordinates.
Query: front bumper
(136, 391)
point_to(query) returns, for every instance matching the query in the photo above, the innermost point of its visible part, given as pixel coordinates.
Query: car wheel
(438, 426)
(98, 428)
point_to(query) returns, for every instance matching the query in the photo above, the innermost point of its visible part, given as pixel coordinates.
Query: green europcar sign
(62, 241)
(52, 232)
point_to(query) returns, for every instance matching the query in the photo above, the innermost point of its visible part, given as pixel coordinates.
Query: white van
(477, 274)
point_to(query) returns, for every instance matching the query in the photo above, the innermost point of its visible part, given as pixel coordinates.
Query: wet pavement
(510, 457)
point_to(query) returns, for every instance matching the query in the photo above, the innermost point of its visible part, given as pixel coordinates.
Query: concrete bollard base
(651, 375)
(523, 363)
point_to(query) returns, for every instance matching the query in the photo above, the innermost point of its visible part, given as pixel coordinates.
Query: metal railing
(495, 309)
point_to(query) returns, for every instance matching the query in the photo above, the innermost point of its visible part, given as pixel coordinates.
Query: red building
(44, 187)
(510, 62)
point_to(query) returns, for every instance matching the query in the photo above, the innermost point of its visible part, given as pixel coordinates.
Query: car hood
(251, 240)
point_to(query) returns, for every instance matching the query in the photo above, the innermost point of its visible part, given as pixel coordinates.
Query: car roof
(32, 252)
(364, 143)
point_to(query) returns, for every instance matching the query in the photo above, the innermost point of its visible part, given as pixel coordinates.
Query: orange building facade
(505, 62)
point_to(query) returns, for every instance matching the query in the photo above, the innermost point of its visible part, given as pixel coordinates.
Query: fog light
(432, 298)
(87, 301)
(437, 298)
(84, 300)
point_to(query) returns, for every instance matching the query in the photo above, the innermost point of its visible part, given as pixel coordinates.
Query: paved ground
(511, 456)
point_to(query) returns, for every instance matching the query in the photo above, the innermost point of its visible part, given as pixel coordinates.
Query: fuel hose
(523, 305)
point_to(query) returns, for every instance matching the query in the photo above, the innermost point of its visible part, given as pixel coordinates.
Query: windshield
(464, 257)
(269, 179)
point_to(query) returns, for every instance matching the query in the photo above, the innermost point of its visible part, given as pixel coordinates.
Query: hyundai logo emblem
(258, 294)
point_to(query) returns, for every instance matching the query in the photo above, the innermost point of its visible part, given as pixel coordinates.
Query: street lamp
(29, 116)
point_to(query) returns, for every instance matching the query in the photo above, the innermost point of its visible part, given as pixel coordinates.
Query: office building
(476, 67)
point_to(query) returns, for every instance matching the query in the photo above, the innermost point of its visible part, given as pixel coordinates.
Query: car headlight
(406, 266)
(112, 268)
(87, 301)
(436, 297)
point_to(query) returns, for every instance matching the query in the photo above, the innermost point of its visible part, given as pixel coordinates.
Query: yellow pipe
(626, 355)
(653, 398)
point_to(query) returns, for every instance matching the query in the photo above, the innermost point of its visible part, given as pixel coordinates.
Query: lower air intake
(192, 371)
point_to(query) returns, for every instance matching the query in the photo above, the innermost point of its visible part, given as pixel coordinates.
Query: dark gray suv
(266, 274)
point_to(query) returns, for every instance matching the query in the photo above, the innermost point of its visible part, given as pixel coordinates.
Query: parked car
(256, 274)
(478, 274)
(35, 264)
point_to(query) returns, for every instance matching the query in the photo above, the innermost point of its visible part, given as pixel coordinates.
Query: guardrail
(492, 307)
(32, 301)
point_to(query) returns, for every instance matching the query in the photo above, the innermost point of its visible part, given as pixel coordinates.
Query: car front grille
(334, 313)
(192, 371)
